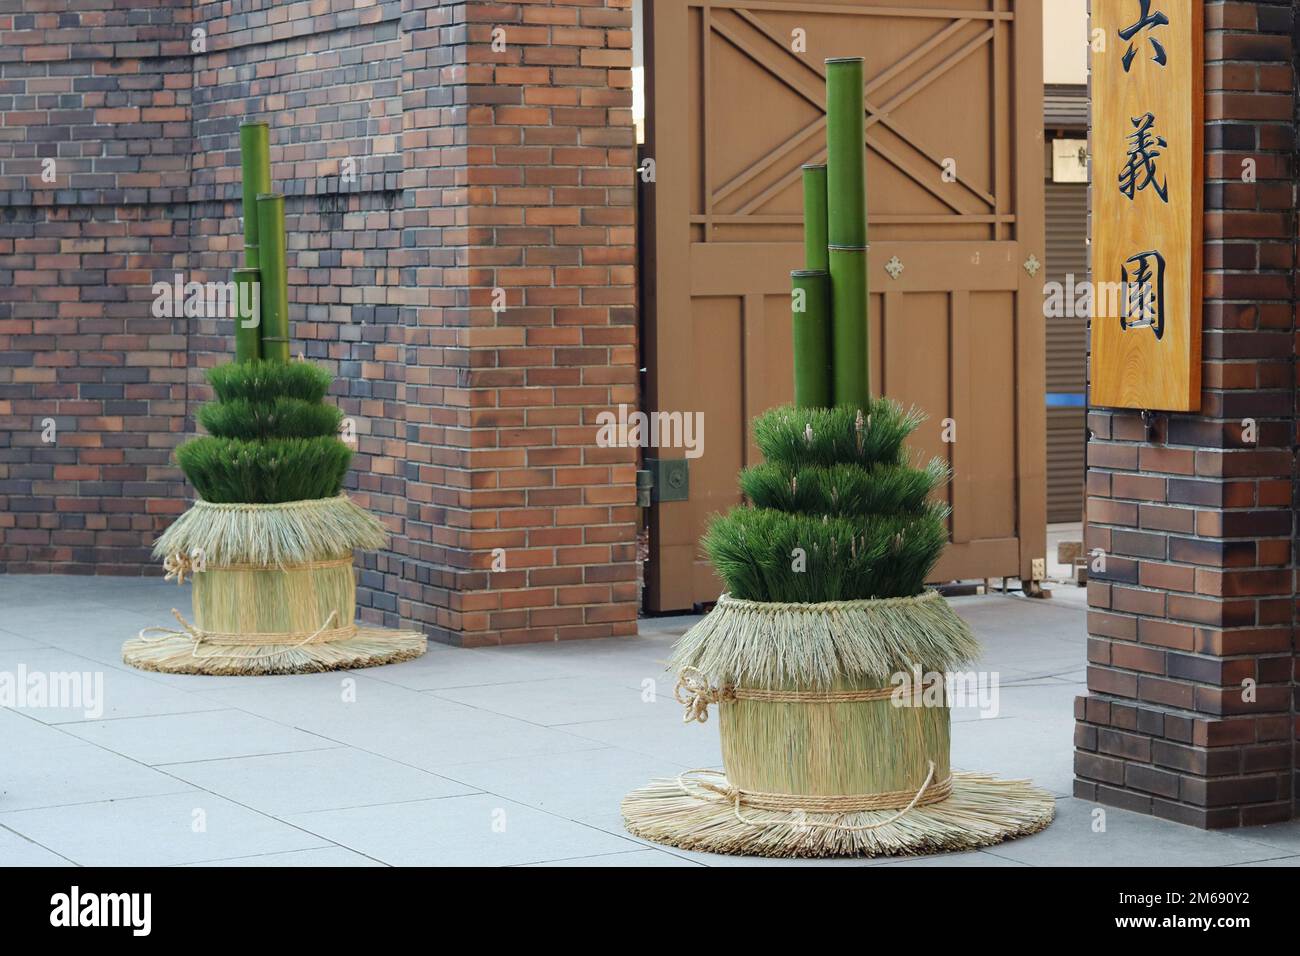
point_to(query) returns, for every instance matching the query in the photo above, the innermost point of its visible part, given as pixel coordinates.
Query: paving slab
(553, 702)
(585, 785)
(285, 783)
(81, 774)
(107, 691)
(17, 850)
(157, 831)
(634, 858)
(1128, 840)
(332, 856)
(212, 735)
(476, 830)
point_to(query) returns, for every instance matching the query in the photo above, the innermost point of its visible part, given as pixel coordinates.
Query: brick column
(550, 181)
(520, 253)
(1190, 709)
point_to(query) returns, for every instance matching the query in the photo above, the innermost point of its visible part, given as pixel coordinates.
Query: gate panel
(954, 137)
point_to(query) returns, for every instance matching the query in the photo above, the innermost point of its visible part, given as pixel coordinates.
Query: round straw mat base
(981, 811)
(178, 654)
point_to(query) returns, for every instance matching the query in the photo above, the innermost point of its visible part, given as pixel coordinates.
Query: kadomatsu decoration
(826, 656)
(268, 545)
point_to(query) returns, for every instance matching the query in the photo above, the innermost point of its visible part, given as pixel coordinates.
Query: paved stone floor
(501, 756)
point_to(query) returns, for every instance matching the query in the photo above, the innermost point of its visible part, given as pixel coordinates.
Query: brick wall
(104, 94)
(476, 170)
(1195, 520)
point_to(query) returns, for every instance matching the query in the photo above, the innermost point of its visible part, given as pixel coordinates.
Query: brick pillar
(520, 252)
(1195, 519)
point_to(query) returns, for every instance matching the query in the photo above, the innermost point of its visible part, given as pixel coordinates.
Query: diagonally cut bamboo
(846, 172)
(275, 277)
(846, 226)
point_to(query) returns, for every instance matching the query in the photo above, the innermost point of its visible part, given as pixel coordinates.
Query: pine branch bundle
(839, 490)
(281, 417)
(263, 381)
(262, 471)
(272, 437)
(836, 513)
(841, 435)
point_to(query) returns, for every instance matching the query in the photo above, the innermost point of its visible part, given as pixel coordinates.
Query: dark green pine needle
(836, 511)
(272, 437)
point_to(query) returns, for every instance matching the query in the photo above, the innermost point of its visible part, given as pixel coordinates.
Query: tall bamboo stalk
(275, 277)
(812, 337)
(846, 177)
(248, 314)
(255, 171)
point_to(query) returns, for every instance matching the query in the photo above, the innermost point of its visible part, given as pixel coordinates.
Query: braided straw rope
(695, 693)
(902, 800)
(277, 506)
(819, 608)
(322, 635)
(179, 565)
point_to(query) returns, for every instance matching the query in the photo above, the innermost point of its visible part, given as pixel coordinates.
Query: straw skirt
(274, 592)
(825, 753)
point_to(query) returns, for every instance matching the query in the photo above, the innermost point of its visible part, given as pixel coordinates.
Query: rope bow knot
(695, 693)
(177, 566)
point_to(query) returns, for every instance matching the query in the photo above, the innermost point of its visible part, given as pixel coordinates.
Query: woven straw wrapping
(829, 749)
(274, 592)
(294, 601)
(838, 747)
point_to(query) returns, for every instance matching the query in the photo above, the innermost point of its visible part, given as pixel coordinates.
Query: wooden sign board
(1147, 181)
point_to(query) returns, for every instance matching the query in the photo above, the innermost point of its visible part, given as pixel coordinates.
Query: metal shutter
(1067, 253)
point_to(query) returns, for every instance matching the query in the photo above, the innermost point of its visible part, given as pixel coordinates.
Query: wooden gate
(955, 195)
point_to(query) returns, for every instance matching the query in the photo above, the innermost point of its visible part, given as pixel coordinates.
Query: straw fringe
(981, 811)
(182, 654)
(812, 646)
(295, 532)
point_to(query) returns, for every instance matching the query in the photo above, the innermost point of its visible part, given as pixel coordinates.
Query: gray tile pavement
(494, 756)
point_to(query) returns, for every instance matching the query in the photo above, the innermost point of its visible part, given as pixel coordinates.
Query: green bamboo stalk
(814, 217)
(275, 277)
(255, 173)
(846, 223)
(846, 159)
(849, 358)
(247, 321)
(812, 337)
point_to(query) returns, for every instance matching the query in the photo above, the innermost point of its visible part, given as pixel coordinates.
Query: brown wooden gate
(956, 260)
